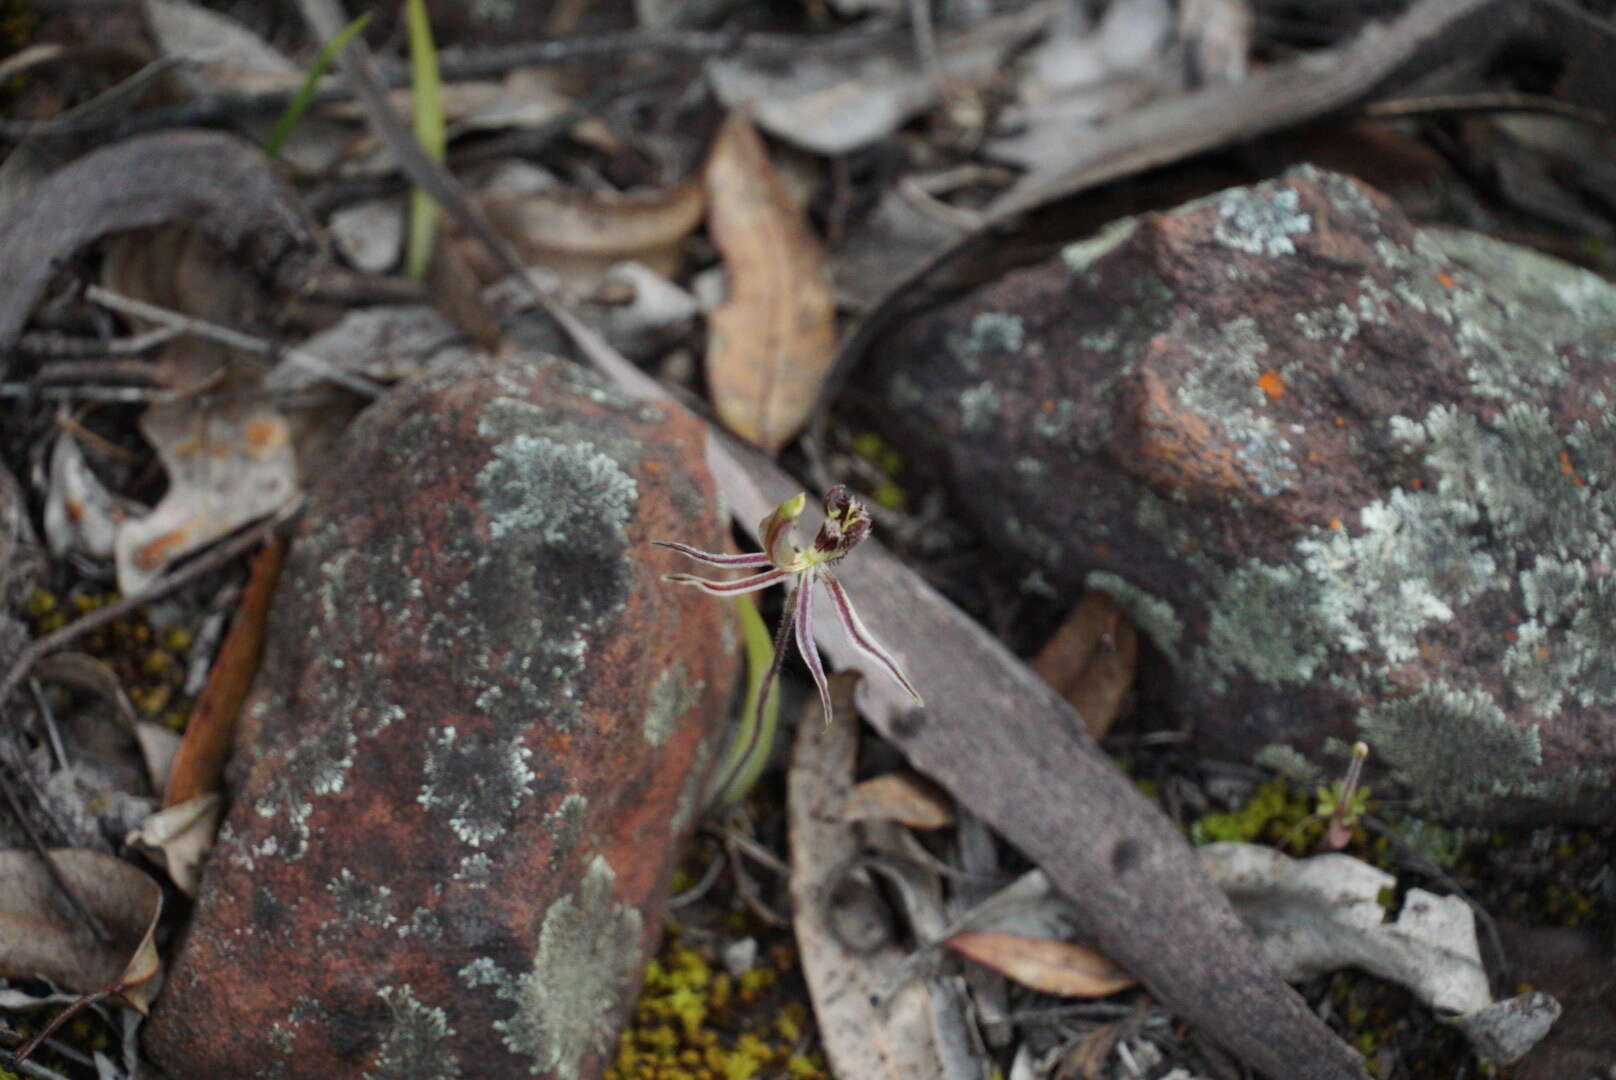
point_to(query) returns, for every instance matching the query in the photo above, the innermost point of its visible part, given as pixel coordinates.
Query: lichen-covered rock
(478, 739)
(1354, 479)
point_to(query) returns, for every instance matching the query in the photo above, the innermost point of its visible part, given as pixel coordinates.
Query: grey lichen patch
(316, 766)
(1328, 324)
(1223, 386)
(1553, 664)
(1512, 468)
(360, 905)
(1261, 220)
(1286, 761)
(414, 1046)
(424, 924)
(1455, 748)
(568, 1003)
(1416, 559)
(990, 332)
(1152, 615)
(672, 695)
(1264, 622)
(479, 782)
(574, 475)
(979, 407)
(566, 827)
(476, 870)
(692, 790)
(1083, 254)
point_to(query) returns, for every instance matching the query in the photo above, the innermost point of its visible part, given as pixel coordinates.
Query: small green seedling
(287, 122)
(847, 522)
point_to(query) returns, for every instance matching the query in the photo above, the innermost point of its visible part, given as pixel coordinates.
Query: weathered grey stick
(208, 180)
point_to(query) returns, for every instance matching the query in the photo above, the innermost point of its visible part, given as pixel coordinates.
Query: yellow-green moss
(692, 1023)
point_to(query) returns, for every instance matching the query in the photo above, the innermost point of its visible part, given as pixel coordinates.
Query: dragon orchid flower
(782, 561)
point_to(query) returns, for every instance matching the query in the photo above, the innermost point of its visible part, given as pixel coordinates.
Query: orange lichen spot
(264, 434)
(1335, 523)
(1510, 636)
(1416, 483)
(655, 468)
(1444, 279)
(158, 551)
(75, 510)
(1340, 421)
(1047, 405)
(1565, 463)
(1579, 481)
(1100, 550)
(1542, 652)
(1272, 384)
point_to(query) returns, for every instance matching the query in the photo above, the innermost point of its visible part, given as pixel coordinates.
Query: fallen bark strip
(996, 735)
(218, 183)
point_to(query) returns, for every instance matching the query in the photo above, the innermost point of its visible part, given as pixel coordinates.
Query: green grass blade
(429, 129)
(288, 121)
(748, 752)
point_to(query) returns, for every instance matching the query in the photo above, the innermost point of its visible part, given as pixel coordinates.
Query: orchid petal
(755, 559)
(862, 638)
(728, 588)
(805, 643)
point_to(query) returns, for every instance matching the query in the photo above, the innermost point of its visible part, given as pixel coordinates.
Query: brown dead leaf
(178, 838)
(773, 340)
(41, 937)
(905, 797)
(229, 462)
(1091, 661)
(211, 732)
(1053, 967)
(843, 934)
(578, 234)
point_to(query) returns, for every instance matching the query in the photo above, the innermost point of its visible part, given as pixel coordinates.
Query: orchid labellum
(800, 569)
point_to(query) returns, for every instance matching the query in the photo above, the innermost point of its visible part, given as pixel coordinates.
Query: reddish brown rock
(478, 740)
(1353, 478)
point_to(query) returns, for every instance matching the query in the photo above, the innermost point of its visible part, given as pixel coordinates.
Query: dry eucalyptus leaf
(905, 797)
(179, 837)
(774, 338)
(1053, 967)
(1091, 661)
(579, 234)
(833, 103)
(200, 759)
(42, 937)
(224, 54)
(861, 1040)
(229, 462)
(84, 672)
(80, 513)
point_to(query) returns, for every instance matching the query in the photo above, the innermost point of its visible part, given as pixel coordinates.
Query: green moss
(1274, 810)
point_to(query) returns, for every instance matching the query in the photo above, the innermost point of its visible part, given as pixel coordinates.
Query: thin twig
(1490, 102)
(28, 1068)
(128, 305)
(49, 343)
(53, 871)
(101, 616)
(48, 719)
(84, 1001)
